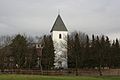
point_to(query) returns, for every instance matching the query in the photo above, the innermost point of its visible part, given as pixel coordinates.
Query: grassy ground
(37, 77)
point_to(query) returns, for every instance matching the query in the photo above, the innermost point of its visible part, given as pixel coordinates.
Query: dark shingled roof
(59, 25)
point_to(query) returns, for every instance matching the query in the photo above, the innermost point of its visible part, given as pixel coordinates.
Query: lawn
(38, 77)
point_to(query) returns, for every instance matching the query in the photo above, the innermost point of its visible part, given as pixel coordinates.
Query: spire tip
(58, 11)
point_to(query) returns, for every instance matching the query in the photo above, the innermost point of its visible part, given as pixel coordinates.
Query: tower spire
(59, 25)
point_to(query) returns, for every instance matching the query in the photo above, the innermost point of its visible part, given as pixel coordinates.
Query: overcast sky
(36, 17)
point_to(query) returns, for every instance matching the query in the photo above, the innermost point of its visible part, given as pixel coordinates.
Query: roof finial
(58, 11)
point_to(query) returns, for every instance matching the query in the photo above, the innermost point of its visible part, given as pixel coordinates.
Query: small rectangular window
(38, 45)
(60, 36)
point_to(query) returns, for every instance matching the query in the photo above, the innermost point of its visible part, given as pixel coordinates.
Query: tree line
(98, 52)
(19, 52)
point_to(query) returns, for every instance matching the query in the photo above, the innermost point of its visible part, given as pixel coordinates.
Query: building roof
(59, 25)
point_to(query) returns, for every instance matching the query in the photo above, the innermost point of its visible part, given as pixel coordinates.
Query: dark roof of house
(59, 25)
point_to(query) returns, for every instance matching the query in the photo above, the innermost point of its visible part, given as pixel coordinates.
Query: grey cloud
(36, 17)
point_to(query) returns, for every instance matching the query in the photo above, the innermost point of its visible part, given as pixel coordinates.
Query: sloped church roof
(59, 25)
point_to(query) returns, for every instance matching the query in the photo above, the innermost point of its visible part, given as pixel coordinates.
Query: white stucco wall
(60, 48)
(55, 35)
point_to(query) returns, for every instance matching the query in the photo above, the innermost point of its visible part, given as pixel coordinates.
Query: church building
(59, 34)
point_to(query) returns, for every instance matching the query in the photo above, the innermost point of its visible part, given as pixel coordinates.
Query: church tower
(59, 34)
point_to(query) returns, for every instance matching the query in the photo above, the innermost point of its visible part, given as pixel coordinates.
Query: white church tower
(59, 34)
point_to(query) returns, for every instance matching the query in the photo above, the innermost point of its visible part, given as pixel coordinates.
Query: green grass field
(37, 77)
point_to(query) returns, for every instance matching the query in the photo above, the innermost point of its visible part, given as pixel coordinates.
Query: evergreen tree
(48, 53)
(112, 54)
(102, 51)
(19, 50)
(117, 54)
(107, 52)
(71, 55)
(99, 58)
(86, 54)
(77, 53)
(93, 55)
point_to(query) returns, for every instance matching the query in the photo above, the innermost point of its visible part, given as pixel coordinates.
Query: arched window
(60, 36)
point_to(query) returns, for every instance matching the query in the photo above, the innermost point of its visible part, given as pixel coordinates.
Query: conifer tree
(70, 52)
(102, 51)
(93, 57)
(112, 54)
(98, 55)
(77, 53)
(19, 50)
(48, 53)
(86, 54)
(107, 52)
(117, 54)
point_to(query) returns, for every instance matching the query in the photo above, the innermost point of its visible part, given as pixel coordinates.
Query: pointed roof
(59, 25)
